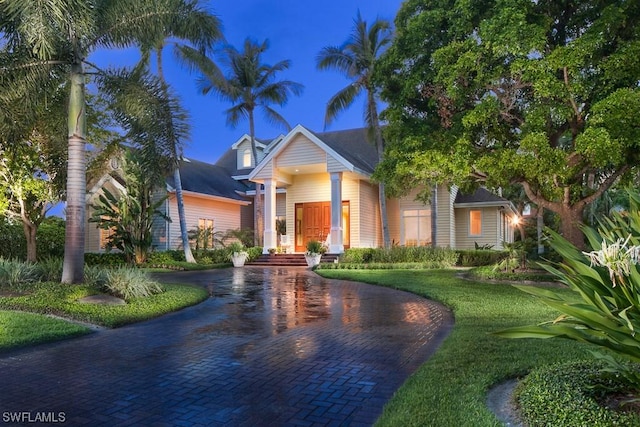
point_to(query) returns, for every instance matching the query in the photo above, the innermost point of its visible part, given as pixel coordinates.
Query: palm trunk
(73, 266)
(188, 255)
(539, 228)
(382, 202)
(258, 211)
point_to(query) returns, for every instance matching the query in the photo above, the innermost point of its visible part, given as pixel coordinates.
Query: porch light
(515, 220)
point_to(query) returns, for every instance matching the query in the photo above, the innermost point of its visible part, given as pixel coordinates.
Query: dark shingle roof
(353, 145)
(205, 178)
(481, 195)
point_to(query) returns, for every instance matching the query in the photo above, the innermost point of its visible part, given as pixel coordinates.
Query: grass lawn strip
(18, 329)
(450, 389)
(62, 300)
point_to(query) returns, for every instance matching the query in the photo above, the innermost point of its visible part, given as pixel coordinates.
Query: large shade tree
(249, 84)
(356, 59)
(51, 39)
(538, 93)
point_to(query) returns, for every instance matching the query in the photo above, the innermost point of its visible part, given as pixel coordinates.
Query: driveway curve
(270, 347)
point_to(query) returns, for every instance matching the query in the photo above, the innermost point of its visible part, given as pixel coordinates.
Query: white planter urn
(312, 259)
(239, 258)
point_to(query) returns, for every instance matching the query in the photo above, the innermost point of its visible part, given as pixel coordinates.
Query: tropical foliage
(605, 310)
(46, 44)
(538, 93)
(130, 215)
(356, 59)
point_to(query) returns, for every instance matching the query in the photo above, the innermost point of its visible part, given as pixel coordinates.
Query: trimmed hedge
(567, 395)
(49, 240)
(480, 257)
(400, 254)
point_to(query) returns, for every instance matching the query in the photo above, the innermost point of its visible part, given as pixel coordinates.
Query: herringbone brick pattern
(271, 347)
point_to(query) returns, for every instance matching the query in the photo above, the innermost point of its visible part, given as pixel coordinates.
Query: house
(319, 185)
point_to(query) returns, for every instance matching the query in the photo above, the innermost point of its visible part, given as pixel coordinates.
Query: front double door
(313, 222)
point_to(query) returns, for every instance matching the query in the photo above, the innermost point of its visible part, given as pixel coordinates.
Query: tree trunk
(379, 144)
(570, 225)
(188, 255)
(30, 234)
(539, 229)
(73, 266)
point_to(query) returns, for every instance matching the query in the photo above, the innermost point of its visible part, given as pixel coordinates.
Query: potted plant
(313, 253)
(237, 254)
(272, 251)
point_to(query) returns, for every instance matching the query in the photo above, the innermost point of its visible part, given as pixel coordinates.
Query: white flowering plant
(607, 281)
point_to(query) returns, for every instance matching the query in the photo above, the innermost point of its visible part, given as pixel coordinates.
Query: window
(205, 234)
(475, 223)
(105, 235)
(246, 158)
(416, 227)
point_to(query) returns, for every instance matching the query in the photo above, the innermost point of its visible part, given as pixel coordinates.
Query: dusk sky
(296, 30)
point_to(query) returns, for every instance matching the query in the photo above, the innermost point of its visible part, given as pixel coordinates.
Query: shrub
(254, 252)
(129, 283)
(13, 245)
(50, 238)
(95, 276)
(50, 269)
(442, 257)
(17, 275)
(568, 395)
(107, 259)
(478, 258)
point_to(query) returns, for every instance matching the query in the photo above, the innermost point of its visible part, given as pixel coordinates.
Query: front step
(288, 260)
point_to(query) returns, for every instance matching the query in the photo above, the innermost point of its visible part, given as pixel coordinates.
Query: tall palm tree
(201, 30)
(48, 39)
(356, 59)
(248, 84)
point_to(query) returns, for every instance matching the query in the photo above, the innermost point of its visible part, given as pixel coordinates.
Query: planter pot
(312, 259)
(239, 259)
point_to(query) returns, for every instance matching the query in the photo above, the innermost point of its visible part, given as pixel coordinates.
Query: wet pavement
(270, 347)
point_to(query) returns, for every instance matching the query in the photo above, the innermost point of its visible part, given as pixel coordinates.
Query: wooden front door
(313, 222)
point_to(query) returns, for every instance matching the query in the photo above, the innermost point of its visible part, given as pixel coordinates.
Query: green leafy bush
(130, 283)
(568, 395)
(107, 259)
(50, 238)
(95, 276)
(13, 244)
(17, 275)
(480, 257)
(254, 252)
(442, 257)
(50, 269)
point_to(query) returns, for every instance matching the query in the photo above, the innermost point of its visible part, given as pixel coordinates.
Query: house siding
(393, 217)
(490, 219)
(91, 230)
(369, 214)
(226, 216)
(445, 217)
(299, 152)
(334, 165)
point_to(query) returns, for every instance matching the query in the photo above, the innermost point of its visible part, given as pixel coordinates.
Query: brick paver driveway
(272, 346)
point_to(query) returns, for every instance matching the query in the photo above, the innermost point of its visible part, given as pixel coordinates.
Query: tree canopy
(538, 93)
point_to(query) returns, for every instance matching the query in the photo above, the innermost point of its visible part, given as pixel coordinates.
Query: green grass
(450, 389)
(21, 329)
(62, 300)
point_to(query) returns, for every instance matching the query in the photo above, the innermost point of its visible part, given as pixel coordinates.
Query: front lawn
(451, 388)
(62, 300)
(20, 329)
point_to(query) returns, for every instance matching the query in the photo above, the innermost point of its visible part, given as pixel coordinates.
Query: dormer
(244, 156)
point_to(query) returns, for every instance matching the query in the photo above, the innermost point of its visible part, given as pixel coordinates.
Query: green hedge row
(49, 240)
(400, 254)
(480, 257)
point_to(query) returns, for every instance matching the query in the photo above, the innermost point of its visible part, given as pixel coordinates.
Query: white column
(336, 245)
(270, 234)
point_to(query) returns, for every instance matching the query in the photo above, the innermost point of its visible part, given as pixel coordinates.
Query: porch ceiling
(303, 169)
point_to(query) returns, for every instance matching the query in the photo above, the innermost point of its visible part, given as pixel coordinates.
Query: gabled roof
(353, 145)
(348, 147)
(482, 197)
(208, 179)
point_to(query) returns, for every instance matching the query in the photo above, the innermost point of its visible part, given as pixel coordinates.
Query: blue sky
(296, 30)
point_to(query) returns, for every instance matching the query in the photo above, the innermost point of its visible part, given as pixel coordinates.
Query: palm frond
(275, 118)
(341, 101)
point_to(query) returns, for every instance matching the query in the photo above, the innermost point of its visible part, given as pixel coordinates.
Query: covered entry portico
(323, 194)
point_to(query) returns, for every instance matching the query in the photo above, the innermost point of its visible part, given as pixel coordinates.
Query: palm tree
(48, 39)
(249, 84)
(201, 30)
(356, 59)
